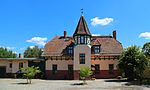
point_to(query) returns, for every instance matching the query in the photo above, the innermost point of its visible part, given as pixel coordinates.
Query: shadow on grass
(21, 83)
(116, 80)
(76, 84)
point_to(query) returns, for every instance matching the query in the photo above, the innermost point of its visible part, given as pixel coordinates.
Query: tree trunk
(27, 80)
(30, 81)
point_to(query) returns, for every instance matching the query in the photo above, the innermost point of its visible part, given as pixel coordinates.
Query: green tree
(133, 63)
(5, 53)
(146, 49)
(84, 73)
(34, 52)
(30, 72)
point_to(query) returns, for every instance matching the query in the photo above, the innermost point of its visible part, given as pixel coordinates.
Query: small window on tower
(82, 40)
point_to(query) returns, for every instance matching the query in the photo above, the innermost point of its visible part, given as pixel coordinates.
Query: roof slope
(108, 44)
(82, 27)
(57, 46)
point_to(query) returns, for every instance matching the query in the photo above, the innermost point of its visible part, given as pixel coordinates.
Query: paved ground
(100, 84)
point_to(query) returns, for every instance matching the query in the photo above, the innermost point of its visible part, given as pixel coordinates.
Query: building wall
(104, 64)
(104, 68)
(15, 66)
(79, 49)
(6, 64)
(62, 69)
(86, 49)
(61, 64)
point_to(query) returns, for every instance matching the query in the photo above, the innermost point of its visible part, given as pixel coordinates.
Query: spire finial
(82, 11)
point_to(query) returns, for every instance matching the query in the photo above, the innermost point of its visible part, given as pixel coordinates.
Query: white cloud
(31, 46)
(37, 40)
(104, 21)
(145, 35)
(10, 48)
(22, 49)
(96, 34)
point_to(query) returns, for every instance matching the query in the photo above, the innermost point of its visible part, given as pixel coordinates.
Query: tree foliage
(146, 49)
(85, 72)
(133, 62)
(34, 52)
(5, 53)
(30, 72)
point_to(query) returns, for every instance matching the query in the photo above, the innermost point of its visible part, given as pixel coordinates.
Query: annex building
(64, 55)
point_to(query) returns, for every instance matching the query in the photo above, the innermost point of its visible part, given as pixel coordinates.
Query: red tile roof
(58, 45)
(108, 44)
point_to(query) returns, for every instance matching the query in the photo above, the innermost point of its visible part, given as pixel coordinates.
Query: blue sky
(26, 23)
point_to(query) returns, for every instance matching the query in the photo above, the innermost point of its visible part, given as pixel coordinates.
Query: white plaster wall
(86, 49)
(61, 64)
(6, 64)
(15, 65)
(104, 64)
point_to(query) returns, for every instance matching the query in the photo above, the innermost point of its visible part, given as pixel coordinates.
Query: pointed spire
(82, 28)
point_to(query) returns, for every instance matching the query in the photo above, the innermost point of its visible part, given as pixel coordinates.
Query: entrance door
(2, 72)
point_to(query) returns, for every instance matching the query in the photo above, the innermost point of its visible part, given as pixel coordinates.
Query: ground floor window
(20, 65)
(111, 68)
(70, 69)
(97, 68)
(54, 67)
(10, 65)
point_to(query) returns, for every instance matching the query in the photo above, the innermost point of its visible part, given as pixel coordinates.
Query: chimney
(20, 55)
(65, 34)
(114, 34)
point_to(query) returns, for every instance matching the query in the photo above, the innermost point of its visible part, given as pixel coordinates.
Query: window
(70, 69)
(20, 65)
(82, 59)
(96, 49)
(70, 50)
(82, 40)
(10, 65)
(97, 68)
(111, 68)
(54, 69)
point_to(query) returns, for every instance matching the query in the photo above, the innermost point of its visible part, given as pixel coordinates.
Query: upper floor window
(96, 49)
(82, 58)
(82, 40)
(70, 50)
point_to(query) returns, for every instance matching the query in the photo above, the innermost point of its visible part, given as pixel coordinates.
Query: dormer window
(70, 50)
(82, 40)
(96, 49)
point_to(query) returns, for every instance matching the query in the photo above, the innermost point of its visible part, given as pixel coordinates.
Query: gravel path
(100, 84)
